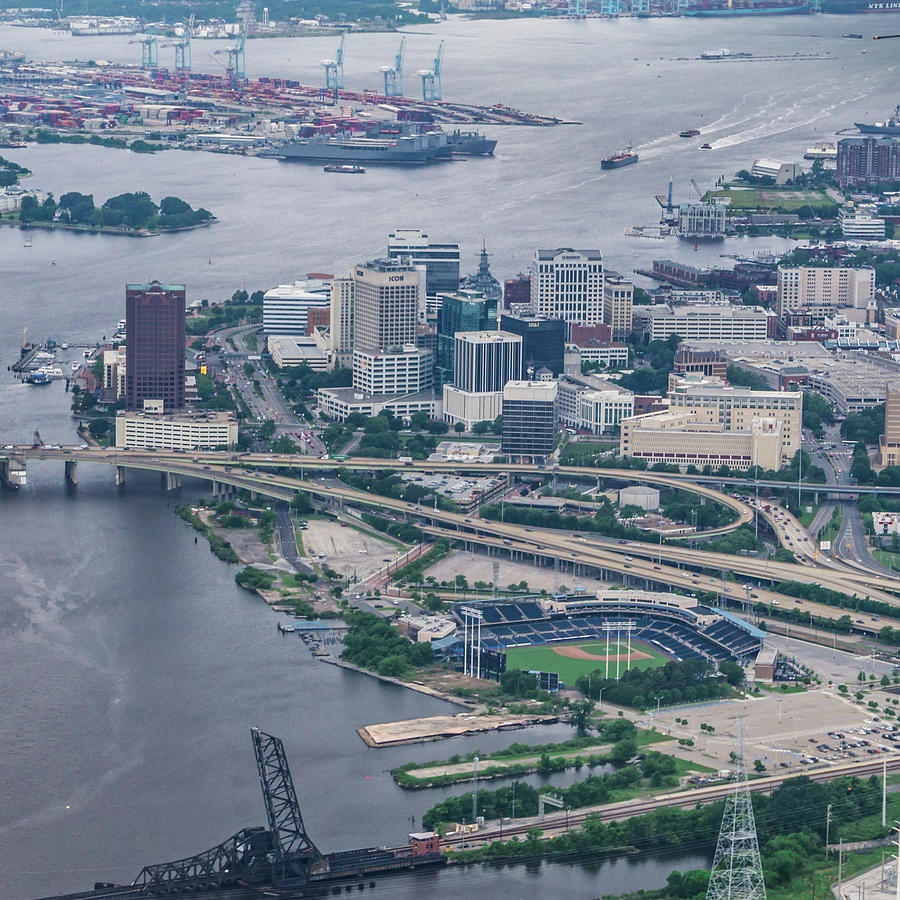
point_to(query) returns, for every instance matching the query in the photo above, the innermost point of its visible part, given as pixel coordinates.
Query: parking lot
(786, 731)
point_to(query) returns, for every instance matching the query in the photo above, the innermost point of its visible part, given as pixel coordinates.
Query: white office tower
(483, 363)
(568, 284)
(286, 307)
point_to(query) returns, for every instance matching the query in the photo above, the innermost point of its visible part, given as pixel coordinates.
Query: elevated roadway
(633, 558)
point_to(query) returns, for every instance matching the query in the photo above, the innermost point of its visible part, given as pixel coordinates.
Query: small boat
(28, 242)
(345, 169)
(689, 132)
(706, 146)
(852, 34)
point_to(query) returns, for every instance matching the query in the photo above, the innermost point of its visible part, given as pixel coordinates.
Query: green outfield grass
(543, 658)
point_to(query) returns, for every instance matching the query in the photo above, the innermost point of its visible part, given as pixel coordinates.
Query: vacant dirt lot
(345, 550)
(478, 567)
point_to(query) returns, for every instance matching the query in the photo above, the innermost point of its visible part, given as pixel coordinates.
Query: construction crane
(334, 69)
(237, 62)
(149, 49)
(431, 78)
(697, 189)
(183, 48)
(393, 75)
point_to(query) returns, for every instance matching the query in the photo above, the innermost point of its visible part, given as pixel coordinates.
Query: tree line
(686, 681)
(373, 644)
(133, 211)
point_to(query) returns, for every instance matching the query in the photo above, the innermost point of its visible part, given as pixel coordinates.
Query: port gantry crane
(183, 48)
(334, 68)
(281, 853)
(393, 75)
(431, 78)
(149, 49)
(237, 62)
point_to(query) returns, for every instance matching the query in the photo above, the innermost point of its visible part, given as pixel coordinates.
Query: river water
(131, 664)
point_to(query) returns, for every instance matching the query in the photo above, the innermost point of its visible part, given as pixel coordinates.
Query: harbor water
(132, 664)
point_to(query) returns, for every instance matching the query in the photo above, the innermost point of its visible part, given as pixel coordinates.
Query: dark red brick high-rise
(154, 342)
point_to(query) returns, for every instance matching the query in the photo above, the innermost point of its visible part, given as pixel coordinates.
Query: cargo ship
(750, 7)
(860, 6)
(892, 126)
(622, 158)
(689, 132)
(470, 143)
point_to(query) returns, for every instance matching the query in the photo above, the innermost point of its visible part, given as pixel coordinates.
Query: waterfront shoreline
(100, 230)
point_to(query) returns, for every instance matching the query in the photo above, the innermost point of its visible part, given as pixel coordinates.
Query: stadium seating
(674, 631)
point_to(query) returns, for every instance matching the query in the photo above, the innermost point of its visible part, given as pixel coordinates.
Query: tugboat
(345, 169)
(622, 158)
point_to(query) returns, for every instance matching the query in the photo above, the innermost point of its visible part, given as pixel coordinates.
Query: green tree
(482, 427)
(733, 673)
(622, 751)
(98, 428)
(284, 445)
(459, 427)
(861, 467)
(580, 715)
(267, 429)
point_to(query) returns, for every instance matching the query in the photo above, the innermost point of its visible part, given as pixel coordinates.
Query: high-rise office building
(387, 304)
(517, 292)
(890, 440)
(341, 325)
(618, 302)
(154, 354)
(529, 419)
(486, 360)
(568, 284)
(461, 311)
(441, 261)
(483, 362)
(543, 341)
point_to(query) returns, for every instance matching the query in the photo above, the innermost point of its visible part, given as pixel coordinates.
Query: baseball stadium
(612, 632)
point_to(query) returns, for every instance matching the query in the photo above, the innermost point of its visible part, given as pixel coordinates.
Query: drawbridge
(280, 854)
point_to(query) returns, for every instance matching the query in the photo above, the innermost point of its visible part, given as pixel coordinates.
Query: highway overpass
(629, 559)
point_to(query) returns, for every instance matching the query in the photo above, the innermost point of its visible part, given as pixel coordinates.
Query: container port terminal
(222, 113)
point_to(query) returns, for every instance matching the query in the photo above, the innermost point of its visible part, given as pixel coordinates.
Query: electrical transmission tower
(737, 869)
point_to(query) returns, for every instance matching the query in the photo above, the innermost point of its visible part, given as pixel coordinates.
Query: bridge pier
(12, 471)
(120, 476)
(173, 482)
(72, 471)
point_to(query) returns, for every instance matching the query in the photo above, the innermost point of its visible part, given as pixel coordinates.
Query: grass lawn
(773, 198)
(887, 558)
(584, 449)
(544, 658)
